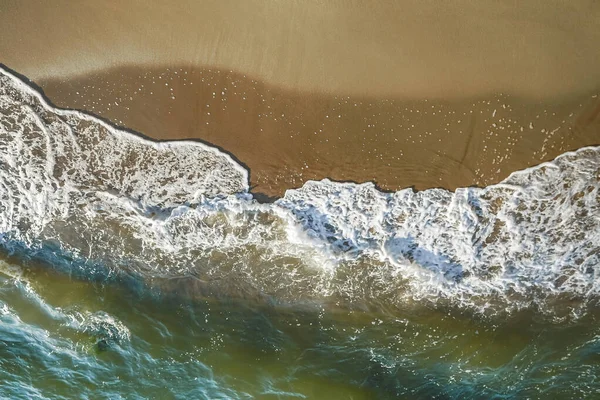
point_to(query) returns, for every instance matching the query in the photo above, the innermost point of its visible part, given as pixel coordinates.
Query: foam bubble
(75, 191)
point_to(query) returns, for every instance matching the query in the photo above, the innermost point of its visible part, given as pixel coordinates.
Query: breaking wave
(82, 195)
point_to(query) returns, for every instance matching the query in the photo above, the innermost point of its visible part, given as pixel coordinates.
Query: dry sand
(397, 48)
(404, 92)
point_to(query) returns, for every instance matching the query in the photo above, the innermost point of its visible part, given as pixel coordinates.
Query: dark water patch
(180, 346)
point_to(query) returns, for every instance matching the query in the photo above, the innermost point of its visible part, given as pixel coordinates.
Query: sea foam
(76, 191)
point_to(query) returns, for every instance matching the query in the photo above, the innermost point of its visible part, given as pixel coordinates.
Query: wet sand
(404, 93)
(289, 136)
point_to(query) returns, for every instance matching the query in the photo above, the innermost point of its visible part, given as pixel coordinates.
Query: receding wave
(81, 194)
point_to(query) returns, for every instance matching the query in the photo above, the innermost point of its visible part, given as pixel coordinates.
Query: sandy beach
(408, 48)
(166, 268)
(286, 137)
(400, 93)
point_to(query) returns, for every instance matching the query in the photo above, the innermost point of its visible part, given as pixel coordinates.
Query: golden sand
(407, 92)
(382, 48)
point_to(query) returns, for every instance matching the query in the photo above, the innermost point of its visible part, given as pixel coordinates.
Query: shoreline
(258, 195)
(287, 137)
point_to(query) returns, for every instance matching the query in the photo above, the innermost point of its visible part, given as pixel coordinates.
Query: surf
(86, 197)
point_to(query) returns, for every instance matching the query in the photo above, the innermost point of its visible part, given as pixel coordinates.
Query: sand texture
(404, 93)
(286, 137)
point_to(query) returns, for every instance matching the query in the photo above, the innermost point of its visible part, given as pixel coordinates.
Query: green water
(65, 337)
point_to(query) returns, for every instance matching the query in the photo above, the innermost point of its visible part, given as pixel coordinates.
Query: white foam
(72, 186)
(536, 231)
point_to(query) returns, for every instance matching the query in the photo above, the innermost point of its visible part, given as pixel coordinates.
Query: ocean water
(136, 269)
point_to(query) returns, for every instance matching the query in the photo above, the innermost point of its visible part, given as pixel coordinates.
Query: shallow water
(137, 269)
(86, 339)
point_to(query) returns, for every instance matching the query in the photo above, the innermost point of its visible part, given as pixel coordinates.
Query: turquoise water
(66, 338)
